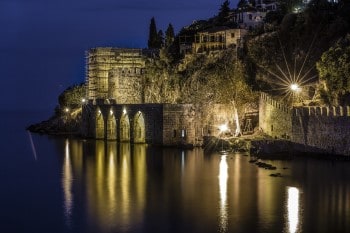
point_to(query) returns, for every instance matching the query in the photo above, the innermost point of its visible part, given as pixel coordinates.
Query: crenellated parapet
(274, 117)
(318, 129)
(275, 103)
(329, 111)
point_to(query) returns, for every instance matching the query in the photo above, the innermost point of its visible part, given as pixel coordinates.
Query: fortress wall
(312, 128)
(325, 128)
(115, 73)
(274, 117)
(179, 124)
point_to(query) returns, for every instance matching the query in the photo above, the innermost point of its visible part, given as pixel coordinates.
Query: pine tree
(223, 12)
(160, 39)
(153, 35)
(169, 35)
(242, 4)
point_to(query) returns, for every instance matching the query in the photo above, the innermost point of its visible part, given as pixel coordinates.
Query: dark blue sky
(42, 42)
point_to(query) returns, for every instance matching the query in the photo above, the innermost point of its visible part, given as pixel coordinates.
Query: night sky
(42, 42)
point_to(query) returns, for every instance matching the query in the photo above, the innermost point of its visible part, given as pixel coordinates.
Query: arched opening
(139, 128)
(124, 128)
(111, 126)
(100, 129)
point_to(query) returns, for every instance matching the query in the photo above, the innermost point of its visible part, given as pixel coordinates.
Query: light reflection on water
(136, 188)
(293, 209)
(223, 177)
(67, 183)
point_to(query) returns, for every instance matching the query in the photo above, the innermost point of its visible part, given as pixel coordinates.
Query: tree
(242, 4)
(153, 40)
(223, 12)
(334, 72)
(160, 39)
(169, 35)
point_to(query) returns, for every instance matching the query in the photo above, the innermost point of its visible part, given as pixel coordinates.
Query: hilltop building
(214, 39)
(217, 39)
(249, 16)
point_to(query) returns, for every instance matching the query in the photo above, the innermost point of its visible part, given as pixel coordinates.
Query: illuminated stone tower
(115, 73)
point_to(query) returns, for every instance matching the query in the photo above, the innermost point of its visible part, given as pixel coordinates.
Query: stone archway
(111, 126)
(100, 128)
(139, 128)
(124, 128)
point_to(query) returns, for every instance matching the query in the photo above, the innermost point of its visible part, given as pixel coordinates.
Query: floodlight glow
(111, 112)
(223, 128)
(294, 87)
(66, 109)
(83, 100)
(124, 111)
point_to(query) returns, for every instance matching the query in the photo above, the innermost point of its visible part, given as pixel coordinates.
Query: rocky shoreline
(57, 125)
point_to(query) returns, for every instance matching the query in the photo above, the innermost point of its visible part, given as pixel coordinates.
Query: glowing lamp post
(223, 128)
(295, 89)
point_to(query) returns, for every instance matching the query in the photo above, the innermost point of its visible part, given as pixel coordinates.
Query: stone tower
(115, 73)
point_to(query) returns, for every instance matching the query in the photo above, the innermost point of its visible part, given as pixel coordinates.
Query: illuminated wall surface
(125, 188)
(314, 129)
(115, 73)
(163, 124)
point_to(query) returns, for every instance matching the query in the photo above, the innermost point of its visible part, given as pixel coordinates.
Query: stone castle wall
(164, 124)
(324, 129)
(179, 124)
(311, 129)
(275, 117)
(115, 73)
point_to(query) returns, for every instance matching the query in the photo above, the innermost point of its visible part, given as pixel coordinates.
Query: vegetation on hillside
(289, 53)
(334, 71)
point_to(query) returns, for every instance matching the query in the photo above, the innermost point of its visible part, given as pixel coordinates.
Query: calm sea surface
(50, 184)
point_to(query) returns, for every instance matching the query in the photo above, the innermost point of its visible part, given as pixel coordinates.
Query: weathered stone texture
(115, 73)
(312, 129)
(325, 128)
(275, 117)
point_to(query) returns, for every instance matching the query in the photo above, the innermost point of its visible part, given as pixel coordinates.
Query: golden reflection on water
(293, 210)
(114, 181)
(67, 182)
(125, 183)
(111, 179)
(223, 177)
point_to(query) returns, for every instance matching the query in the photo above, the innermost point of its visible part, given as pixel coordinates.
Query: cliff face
(67, 116)
(217, 77)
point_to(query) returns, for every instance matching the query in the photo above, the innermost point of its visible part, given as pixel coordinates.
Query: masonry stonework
(322, 129)
(275, 117)
(313, 129)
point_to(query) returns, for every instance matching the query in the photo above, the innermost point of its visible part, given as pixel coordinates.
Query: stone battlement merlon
(328, 111)
(277, 104)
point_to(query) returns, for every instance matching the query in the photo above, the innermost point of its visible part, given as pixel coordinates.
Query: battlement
(330, 111)
(284, 107)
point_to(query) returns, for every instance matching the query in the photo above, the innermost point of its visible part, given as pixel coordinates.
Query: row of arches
(120, 129)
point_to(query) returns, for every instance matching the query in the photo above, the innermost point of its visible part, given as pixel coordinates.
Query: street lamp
(223, 128)
(295, 87)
